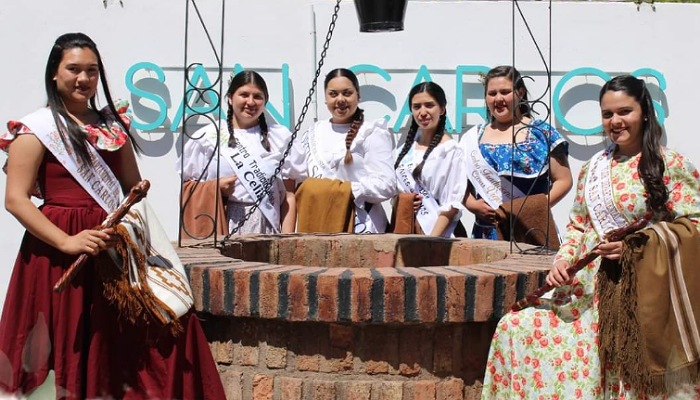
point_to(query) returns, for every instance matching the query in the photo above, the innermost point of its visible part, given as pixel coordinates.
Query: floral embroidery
(529, 162)
(530, 155)
(107, 135)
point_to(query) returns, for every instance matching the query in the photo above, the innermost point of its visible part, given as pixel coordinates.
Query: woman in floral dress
(551, 352)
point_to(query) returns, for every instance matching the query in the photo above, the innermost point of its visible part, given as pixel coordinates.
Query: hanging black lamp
(381, 15)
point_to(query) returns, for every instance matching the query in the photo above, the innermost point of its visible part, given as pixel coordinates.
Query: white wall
(278, 37)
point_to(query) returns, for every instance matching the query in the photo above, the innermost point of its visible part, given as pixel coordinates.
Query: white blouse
(371, 172)
(200, 149)
(444, 173)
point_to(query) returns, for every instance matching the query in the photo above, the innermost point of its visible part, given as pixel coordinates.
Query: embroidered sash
(316, 167)
(494, 189)
(247, 165)
(428, 212)
(97, 179)
(599, 198)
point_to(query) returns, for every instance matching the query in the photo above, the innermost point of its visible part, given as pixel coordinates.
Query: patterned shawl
(649, 308)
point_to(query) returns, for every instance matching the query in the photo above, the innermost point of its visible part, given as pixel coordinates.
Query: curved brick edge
(238, 383)
(479, 292)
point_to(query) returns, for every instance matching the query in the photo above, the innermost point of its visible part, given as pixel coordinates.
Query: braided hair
(518, 86)
(241, 79)
(651, 164)
(67, 127)
(437, 93)
(357, 118)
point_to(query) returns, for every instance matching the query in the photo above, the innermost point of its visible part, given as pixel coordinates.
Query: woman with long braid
(346, 153)
(249, 151)
(430, 164)
(512, 156)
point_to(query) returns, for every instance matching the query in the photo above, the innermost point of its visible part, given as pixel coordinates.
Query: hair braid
(229, 124)
(264, 132)
(410, 138)
(437, 138)
(357, 119)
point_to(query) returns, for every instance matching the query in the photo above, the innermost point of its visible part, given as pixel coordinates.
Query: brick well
(355, 316)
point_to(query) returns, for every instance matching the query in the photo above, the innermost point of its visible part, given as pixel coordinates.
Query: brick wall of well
(345, 317)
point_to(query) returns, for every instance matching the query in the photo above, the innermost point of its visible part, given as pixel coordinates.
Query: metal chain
(268, 184)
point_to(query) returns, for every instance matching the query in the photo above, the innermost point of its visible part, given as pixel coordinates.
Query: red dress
(77, 333)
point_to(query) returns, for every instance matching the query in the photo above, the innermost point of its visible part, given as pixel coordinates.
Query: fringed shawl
(149, 287)
(649, 308)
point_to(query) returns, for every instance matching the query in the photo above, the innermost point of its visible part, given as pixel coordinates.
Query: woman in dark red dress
(78, 158)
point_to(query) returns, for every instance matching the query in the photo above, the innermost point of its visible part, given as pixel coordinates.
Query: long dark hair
(241, 79)
(436, 92)
(358, 117)
(67, 127)
(518, 86)
(651, 164)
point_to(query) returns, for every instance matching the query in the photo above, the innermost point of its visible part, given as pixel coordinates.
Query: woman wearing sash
(80, 160)
(349, 160)
(553, 350)
(431, 165)
(539, 153)
(249, 151)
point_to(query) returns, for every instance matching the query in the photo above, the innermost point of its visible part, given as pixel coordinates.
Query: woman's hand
(89, 241)
(417, 202)
(609, 250)
(557, 275)
(227, 184)
(483, 211)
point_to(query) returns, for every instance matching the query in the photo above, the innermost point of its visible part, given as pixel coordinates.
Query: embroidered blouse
(528, 159)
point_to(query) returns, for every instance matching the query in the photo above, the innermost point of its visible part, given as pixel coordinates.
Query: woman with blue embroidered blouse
(512, 155)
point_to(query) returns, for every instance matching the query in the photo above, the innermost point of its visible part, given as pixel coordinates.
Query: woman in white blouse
(431, 164)
(249, 152)
(348, 148)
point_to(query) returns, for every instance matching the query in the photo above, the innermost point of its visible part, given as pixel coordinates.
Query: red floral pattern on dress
(108, 135)
(553, 349)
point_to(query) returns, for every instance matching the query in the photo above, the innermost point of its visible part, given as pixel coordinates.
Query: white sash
(493, 188)
(364, 223)
(428, 212)
(97, 179)
(316, 167)
(599, 198)
(246, 164)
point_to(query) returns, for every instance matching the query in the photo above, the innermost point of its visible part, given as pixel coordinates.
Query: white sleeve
(454, 185)
(195, 155)
(379, 182)
(279, 137)
(295, 166)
